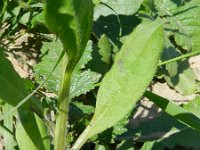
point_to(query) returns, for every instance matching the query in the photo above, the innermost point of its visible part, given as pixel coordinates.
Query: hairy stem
(63, 102)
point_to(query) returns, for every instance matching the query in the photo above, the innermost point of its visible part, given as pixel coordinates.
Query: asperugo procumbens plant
(71, 20)
(132, 71)
(122, 86)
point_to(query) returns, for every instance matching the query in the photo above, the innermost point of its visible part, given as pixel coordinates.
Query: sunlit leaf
(128, 78)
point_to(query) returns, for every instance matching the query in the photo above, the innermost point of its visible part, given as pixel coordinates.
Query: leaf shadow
(110, 26)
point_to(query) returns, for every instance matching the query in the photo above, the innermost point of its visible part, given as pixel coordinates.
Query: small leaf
(31, 132)
(185, 80)
(128, 78)
(101, 60)
(178, 74)
(81, 82)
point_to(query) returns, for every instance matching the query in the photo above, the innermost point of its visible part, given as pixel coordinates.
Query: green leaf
(101, 56)
(166, 130)
(72, 22)
(164, 6)
(181, 138)
(193, 106)
(189, 32)
(184, 20)
(50, 54)
(113, 25)
(80, 115)
(178, 74)
(125, 145)
(10, 82)
(31, 132)
(185, 81)
(128, 78)
(127, 7)
(8, 123)
(81, 82)
(3, 5)
(12, 89)
(174, 110)
(152, 145)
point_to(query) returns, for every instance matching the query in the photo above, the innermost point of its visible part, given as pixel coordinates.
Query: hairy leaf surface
(82, 81)
(129, 76)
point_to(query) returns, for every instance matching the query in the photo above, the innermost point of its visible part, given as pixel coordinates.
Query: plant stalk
(82, 138)
(63, 103)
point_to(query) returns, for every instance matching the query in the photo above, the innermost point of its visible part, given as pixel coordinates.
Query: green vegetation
(97, 60)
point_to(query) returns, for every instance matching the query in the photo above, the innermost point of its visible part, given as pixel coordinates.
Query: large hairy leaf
(128, 78)
(72, 22)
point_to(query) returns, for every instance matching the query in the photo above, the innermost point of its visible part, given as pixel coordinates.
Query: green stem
(180, 57)
(63, 102)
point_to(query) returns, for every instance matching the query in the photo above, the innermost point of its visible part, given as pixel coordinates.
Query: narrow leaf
(31, 132)
(12, 89)
(8, 123)
(10, 81)
(174, 110)
(128, 78)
